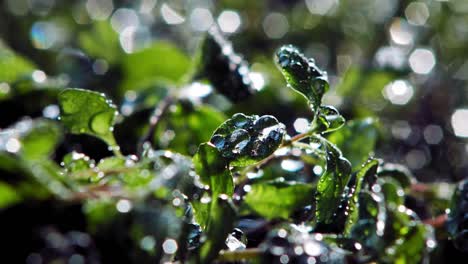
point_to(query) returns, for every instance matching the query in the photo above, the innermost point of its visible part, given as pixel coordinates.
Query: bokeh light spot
(422, 61)
(229, 21)
(459, 122)
(275, 25)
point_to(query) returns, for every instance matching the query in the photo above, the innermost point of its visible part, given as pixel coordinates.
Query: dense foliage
(166, 168)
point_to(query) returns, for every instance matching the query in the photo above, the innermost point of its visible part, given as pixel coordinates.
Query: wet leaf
(213, 169)
(370, 226)
(331, 184)
(356, 140)
(278, 199)
(245, 140)
(220, 224)
(350, 202)
(328, 120)
(88, 112)
(302, 74)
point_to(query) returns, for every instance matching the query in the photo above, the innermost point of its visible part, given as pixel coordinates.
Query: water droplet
(234, 244)
(240, 120)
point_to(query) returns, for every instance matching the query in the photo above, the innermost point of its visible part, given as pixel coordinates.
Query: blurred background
(403, 62)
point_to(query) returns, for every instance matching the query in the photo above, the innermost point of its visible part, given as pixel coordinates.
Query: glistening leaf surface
(245, 140)
(88, 112)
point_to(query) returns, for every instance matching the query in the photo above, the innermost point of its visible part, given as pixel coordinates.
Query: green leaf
(192, 125)
(363, 88)
(31, 139)
(245, 140)
(398, 172)
(370, 226)
(161, 61)
(392, 190)
(201, 212)
(12, 66)
(331, 184)
(88, 112)
(33, 179)
(221, 223)
(213, 169)
(101, 42)
(413, 246)
(369, 169)
(405, 237)
(302, 74)
(328, 120)
(356, 140)
(8, 195)
(278, 199)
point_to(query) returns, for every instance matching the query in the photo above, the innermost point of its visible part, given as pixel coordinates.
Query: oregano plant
(191, 185)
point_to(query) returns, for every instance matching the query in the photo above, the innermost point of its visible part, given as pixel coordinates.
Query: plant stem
(232, 256)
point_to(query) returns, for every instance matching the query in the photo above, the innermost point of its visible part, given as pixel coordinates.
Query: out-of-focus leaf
(149, 225)
(220, 224)
(213, 169)
(404, 236)
(12, 66)
(8, 195)
(370, 226)
(331, 184)
(202, 212)
(394, 194)
(161, 61)
(225, 69)
(302, 74)
(36, 179)
(413, 245)
(328, 120)
(245, 140)
(457, 222)
(32, 139)
(191, 125)
(88, 112)
(278, 199)
(398, 172)
(363, 88)
(356, 140)
(102, 42)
